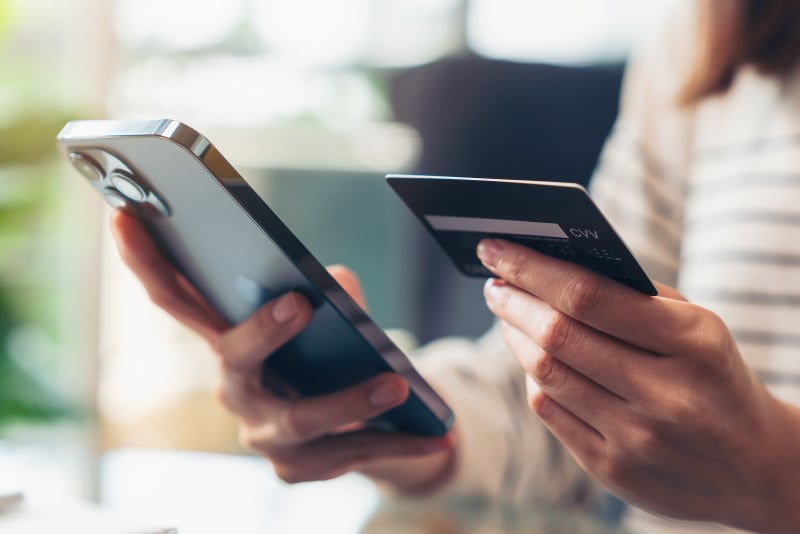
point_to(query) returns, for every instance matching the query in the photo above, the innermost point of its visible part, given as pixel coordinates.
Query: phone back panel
(238, 254)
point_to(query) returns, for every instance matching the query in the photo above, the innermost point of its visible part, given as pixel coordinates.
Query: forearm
(778, 505)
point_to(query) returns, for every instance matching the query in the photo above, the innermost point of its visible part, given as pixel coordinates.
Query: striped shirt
(708, 199)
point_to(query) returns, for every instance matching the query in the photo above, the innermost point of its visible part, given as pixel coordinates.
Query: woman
(677, 409)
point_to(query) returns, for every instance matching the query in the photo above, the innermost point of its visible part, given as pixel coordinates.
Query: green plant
(23, 396)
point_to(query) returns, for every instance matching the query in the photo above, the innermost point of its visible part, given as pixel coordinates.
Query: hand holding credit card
(555, 218)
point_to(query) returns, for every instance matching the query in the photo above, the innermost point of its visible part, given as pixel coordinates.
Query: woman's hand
(649, 394)
(305, 438)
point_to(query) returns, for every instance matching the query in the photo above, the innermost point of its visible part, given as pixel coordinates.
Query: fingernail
(386, 394)
(285, 309)
(489, 252)
(492, 288)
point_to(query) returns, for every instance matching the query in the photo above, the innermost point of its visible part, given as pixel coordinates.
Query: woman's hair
(764, 34)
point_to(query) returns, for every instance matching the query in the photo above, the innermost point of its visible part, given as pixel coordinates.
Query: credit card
(558, 219)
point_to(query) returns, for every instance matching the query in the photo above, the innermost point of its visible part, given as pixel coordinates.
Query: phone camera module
(87, 166)
(115, 199)
(127, 186)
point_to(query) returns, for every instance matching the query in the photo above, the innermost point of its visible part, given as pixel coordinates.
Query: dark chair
(486, 118)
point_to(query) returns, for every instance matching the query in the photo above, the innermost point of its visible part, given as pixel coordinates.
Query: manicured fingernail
(285, 309)
(386, 394)
(489, 252)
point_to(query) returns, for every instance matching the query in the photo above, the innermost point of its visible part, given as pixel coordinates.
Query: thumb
(349, 281)
(668, 292)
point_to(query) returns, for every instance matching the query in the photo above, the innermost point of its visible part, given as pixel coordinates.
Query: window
(566, 31)
(264, 62)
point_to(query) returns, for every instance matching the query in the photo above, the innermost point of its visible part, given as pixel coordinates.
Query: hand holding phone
(317, 387)
(236, 253)
(306, 439)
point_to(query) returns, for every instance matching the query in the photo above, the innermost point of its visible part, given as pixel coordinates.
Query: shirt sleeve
(504, 453)
(641, 177)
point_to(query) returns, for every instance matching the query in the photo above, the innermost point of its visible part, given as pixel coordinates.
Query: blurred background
(314, 101)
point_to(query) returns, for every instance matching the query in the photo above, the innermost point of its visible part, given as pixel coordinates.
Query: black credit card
(555, 218)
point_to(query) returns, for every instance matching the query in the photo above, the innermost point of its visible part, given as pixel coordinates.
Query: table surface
(151, 491)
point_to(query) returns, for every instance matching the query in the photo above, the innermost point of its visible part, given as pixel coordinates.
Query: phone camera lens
(87, 166)
(115, 199)
(125, 184)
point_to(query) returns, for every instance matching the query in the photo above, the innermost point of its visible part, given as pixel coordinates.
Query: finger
(655, 323)
(163, 283)
(243, 395)
(588, 401)
(582, 441)
(310, 418)
(669, 292)
(349, 282)
(545, 332)
(243, 347)
(332, 456)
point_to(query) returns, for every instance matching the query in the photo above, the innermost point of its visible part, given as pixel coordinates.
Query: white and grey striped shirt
(708, 198)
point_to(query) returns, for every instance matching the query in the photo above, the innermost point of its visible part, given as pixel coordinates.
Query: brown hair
(736, 33)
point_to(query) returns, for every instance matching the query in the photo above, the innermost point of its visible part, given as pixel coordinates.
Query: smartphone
(233, 248)
(555, 218)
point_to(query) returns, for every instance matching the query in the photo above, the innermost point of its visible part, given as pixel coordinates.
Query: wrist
(778, 492)
(440, 474)
(413, 477)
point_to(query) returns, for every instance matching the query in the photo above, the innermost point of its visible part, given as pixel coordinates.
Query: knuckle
(556, 329)
(710, 343)
(645, 443)
(223, 396)
(682, 412)
(361, 453)
(592, 457)
(289, 473)
(248, 439)
(646, 440)
(534, 402)
(296, 426)
(614, 467)
(222, 347)
(530, 363)
(256, 439)
(719, 340)
(705, 330)
(541, 404)
(583, 296)
(689, 413)
(165, 300)
(550, 373)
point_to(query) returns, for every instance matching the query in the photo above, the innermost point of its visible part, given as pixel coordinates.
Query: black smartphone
(556, 218)
(235, 250)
